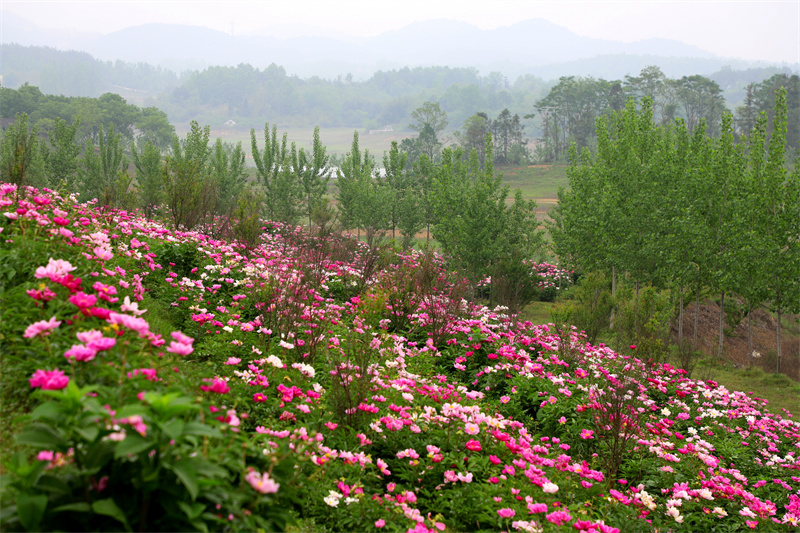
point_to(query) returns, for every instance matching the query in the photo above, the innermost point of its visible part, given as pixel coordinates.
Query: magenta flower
(558, 517)
(262, 482)
(587, 434)
(220, 386)
(380, 523)
(44, 294)
(60, 221)
(49, 379)
(473, 445)
(537, 508)
(506, 513)
(43, 328)
(83, 300)
(79, 352)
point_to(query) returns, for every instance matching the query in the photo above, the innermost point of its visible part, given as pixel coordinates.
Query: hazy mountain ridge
(533, 46)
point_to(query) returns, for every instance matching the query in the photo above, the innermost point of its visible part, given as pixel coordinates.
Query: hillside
(177, 381)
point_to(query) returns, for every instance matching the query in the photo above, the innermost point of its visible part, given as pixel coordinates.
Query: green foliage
(190, 194)
(21, 161)
(593, 304)
(102, 170)
(643, 321)
(62, 159)
(149, 176)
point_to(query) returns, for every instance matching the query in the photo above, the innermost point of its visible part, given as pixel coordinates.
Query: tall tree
(149, 176)
(62, 158)
(268, 164)
(102, 168)
(21, 161)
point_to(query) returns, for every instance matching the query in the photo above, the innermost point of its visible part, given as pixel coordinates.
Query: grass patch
(779, 390)
(538, 312)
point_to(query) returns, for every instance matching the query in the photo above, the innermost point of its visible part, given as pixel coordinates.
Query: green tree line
(674, 207)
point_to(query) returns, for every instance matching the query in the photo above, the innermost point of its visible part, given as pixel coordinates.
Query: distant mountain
(534, 46)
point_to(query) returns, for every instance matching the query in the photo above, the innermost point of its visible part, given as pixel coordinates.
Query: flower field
(174, 382)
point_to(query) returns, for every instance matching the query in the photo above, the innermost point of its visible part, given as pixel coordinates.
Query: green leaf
(78, 507)
(41, 436)
(130, 410)
(47, 410)
(192, 511)
(30, 509)
(133, 444)
(98, 455)
(108, 507)
(54, 484)
(174, 428)
(88, 433)
(186, 471)
(202, 430)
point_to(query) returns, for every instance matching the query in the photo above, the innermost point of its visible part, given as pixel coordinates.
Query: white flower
(228, 329)
(333, 498)
(275, 361)
(550, 488)
(286, 345)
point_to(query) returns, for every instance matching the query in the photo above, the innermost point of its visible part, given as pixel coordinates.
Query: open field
(337, 140)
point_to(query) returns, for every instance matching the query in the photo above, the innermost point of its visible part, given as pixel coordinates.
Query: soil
(735, 344)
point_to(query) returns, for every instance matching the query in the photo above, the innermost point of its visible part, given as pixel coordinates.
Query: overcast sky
(756, 30)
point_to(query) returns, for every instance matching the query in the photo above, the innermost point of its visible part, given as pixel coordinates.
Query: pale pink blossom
(43, 328)
(262, 482)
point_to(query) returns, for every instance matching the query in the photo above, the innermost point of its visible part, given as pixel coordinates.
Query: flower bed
(313, 380)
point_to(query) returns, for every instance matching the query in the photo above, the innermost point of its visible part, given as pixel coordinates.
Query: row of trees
(679, 208)
(89, 114)
(569, 111)
(455, 196)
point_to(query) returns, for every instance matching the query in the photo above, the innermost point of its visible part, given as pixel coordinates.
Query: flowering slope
(314, 378)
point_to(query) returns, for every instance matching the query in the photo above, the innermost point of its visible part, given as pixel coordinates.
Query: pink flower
(473, 445)
(45, 455)
(233, 361)
(79, 352)
(259, 398)
(506, 513)
(60, 221)
(179, 348)
(505, 399)
(56, 268)
(220, 386)
(83, 300)
(537, 508)
(49, 379)
(558, 517)
(139, 325)
(587, 434)
(43, 328)
(471, 428)
(380, 523)
(102, 344)
(331, 425)
(44, 294)
(181, 338)
(148, 373)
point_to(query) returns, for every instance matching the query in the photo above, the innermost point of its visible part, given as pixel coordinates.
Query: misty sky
(755, 30)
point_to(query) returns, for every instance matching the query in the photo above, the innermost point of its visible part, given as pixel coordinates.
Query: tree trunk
(721, 324)
(613, 295)
(680, 316)
(696, 313)
(750, 337)
(779, 339)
